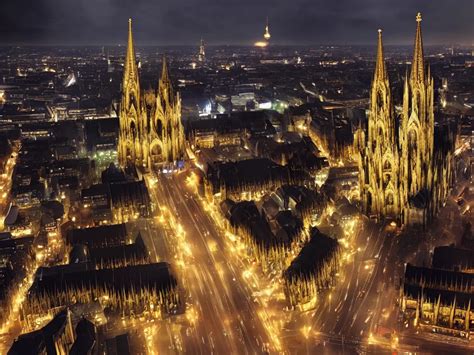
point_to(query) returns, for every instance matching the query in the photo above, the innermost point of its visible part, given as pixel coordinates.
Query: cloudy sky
(164, 22)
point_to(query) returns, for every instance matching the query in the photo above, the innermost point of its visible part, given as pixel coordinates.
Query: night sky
(164, 22)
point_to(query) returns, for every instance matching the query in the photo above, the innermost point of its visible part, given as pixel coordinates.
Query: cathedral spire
(417, 67)
(165, 81)
(130, 70)
(380, 69)
(151, 132)
(131, 123)
(164, 71)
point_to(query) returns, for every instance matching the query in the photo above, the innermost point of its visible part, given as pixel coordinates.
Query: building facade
(401, 176)
(438, 300)
(151, 132)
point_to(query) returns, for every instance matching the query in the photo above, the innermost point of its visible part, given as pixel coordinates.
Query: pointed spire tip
(418, 71)
(380, 70)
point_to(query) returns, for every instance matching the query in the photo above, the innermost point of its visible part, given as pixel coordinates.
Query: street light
(394, 341)
(306, 330)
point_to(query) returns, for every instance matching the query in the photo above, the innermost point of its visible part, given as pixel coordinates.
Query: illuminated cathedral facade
(151, 133)
(401, 175)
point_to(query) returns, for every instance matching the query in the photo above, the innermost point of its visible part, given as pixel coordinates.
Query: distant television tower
(267, 35)
(202, 52)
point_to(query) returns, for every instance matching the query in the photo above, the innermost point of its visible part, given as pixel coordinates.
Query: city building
(331, 129)
(438, 300)
(269, 239)
(119, 198)
(151, 132)
(403, 173)
(101, 236)
(246, 179)
(129, 289)
(100, 189)
(86, 338)
(313, 269)
(305, 203)
(56, 337)
(111, 256)
(16, 257)
(453, 258)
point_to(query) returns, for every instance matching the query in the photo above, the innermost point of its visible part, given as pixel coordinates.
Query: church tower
(167, 133)
(378, 153)
(402, 174)
(151, 132)
(417, 127)
(130, 115)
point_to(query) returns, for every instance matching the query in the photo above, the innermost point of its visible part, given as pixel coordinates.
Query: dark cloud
(233, 21)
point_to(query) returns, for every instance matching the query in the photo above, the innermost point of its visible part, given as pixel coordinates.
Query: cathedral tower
(167, 134)
(401, 176)
(151, 132)
(417, 127)
(129, 145)
(378, 153)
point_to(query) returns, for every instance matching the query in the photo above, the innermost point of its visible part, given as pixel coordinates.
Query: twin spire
(131, 68)
(417, 68)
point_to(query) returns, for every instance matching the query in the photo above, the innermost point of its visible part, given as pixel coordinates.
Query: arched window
(369, 201)
(159, 129)
(380, 133)
(379, 99)
(156, 152)
(412, 139)
(133, 130)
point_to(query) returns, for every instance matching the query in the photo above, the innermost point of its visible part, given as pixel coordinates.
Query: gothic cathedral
(151, 132)
(400, 174)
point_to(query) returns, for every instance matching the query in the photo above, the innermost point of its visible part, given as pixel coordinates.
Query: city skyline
(244, 199)
(235, 23)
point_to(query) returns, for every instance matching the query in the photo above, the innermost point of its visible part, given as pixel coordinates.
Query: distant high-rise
(151, 132)
(202, 51)
(401, 176)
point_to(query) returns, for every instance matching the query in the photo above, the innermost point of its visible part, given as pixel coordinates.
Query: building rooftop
(312, 257)
(107, 235)
(50, 281)
(451, 258)
(86, 337)
(438, 278)
(42, 340)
